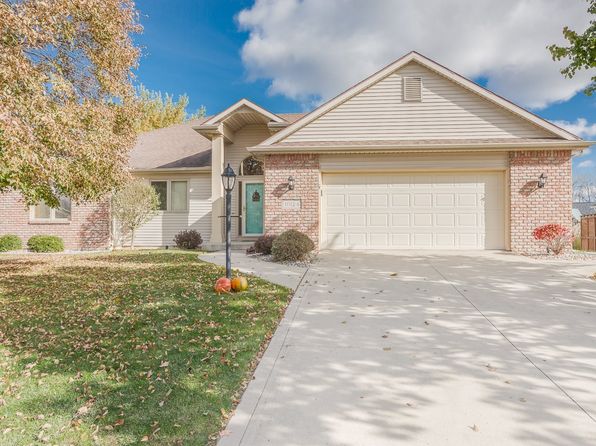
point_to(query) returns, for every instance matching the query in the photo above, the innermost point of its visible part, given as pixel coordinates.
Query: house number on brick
(290, 204)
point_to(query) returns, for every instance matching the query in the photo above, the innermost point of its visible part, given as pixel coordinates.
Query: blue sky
(288, 55)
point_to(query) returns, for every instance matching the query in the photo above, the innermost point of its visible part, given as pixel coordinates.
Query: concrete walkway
(285, 275)
(384, 349)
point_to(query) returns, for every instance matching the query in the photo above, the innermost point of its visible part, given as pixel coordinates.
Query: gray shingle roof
(585, 208)
(177, 146)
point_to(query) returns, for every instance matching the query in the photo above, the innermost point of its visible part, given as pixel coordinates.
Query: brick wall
(531, 206)
(305, 170)
(89, 227)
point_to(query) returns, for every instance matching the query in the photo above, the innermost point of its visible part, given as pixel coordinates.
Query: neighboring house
(583, 208)
(413, 157)
(579, 209)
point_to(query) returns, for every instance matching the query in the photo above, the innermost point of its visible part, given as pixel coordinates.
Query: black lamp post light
(228, 177)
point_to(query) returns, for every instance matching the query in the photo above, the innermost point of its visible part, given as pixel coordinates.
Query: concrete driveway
(384, 349)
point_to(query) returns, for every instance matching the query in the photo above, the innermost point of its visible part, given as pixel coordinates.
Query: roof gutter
(452, 147)
(173, 170)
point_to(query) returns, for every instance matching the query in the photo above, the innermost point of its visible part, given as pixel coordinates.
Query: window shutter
(412, 89)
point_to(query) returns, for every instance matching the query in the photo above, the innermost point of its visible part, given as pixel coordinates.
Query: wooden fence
(588, 232)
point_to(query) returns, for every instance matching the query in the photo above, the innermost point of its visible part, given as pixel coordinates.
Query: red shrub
(555, 236)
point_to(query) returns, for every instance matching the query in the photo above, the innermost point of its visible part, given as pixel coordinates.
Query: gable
(447, 111)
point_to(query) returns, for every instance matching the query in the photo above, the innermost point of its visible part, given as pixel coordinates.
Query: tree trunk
(132, 239)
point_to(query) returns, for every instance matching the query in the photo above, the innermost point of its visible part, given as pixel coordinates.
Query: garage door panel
(400, 220)
(445, 220)
(379, 200)
(400, 200)
(378, 220)
(335, 200)
(423, 200)
(400, 211)
(467, 220)
(467, 200)
(446, 240)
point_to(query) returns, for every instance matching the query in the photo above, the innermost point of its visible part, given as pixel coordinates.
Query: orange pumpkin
(239, 283)
(223, 285)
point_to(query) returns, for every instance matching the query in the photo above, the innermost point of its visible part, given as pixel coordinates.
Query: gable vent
(412, 89)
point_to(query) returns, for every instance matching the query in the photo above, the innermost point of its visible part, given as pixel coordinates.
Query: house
(583, 208)
(413, 157)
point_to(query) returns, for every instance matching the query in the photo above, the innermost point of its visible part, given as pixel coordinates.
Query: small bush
(556, 237)
(45, 243)
(291, 246)
(10, 242)
(264, 244)
(577, 243)
(189, 239)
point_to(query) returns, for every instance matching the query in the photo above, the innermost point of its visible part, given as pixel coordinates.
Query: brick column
(305, 170)
(531, 206)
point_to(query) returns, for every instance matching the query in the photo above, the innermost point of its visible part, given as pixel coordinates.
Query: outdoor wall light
(541, 180)
(291, 183)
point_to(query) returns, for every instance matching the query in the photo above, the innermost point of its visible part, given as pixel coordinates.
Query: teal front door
(253, 208)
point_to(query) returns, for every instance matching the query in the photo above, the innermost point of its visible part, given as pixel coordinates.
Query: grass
(124, 348)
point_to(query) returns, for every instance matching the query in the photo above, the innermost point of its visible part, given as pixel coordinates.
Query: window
(161, 187)
(173, 195)
(178, 195)
(251, 166)
(43, 212)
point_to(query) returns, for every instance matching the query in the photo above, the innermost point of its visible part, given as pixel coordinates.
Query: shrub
(291, 245)
(10, 242)
(577, 243)
(189, 239)
(264, 244)
(45, 243)
(556, 237)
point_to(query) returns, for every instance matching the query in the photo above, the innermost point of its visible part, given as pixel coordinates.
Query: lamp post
(228, 177)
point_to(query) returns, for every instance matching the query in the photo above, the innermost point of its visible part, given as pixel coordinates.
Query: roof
(585, 208)
(177, 146)
(240, 105)
(556, 131)
(418, 144)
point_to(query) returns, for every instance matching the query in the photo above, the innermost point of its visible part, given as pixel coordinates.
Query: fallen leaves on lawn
(125, 333)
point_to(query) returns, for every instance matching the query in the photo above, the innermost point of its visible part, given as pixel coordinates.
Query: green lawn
(124, 348)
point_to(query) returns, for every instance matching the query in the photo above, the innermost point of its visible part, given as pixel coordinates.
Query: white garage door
(401, 211)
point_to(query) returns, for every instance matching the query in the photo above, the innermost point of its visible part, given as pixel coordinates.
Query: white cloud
(314, 49)
(580, 127)
(585, 164)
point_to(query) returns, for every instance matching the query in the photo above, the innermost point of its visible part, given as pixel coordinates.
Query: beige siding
(164, 226)
(247, 136)
(413, 162)
(447, 110)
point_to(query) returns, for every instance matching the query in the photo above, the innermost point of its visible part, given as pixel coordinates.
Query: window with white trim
(173, 194)
(44, 213)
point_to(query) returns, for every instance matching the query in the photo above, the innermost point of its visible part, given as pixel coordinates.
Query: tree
(67, 108)
(584, 188)
(581, 50)
(159, 111)
(133, 205)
